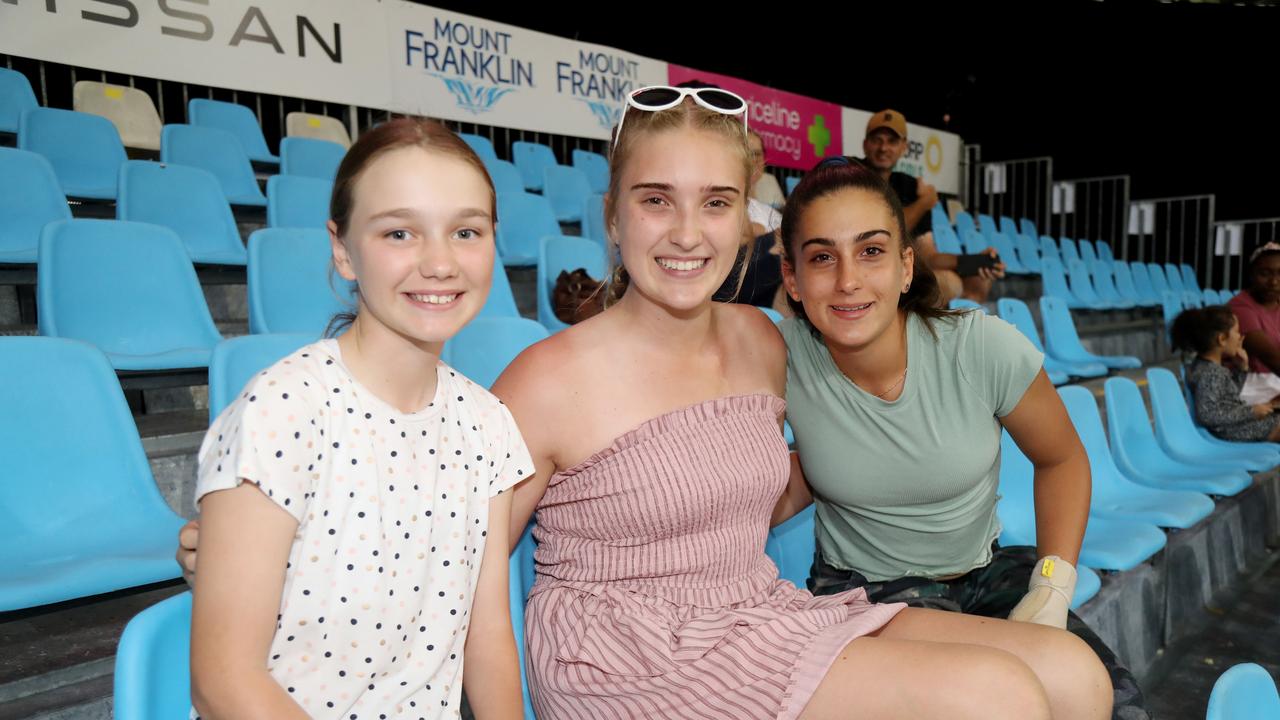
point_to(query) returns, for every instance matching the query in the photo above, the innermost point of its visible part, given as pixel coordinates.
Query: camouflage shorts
(990, 591)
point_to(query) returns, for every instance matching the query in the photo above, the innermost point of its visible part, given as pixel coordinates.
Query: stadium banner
(931, 154)
(798, 131)
(331, 51)
(416, 59)
(449, 65)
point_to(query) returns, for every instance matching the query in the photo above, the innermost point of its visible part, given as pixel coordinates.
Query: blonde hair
(640, 123)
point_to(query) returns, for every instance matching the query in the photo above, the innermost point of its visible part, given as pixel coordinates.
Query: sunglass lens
(721, 99)
(655, 97)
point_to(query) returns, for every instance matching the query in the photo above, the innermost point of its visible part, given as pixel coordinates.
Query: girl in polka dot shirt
(354, 524)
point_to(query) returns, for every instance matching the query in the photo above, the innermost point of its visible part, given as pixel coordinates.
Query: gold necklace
(895, 385)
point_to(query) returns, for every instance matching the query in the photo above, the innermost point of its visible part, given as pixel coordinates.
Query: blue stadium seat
(1210, 297)
(937, 214)
(1142, 460)
(565, 188)
(1104, 285)
(1142, 283)
(218, 152)
(128, 288)
(1104, 251)
(188, 201)
(1081, 283)
(1173, 276)
(1171, 305)
(965, 221)
(945, 239)
(16, 97)
(593, 226)
(1225, 296)
(596, 167)
(310, 158)
(987, 225)
(235, 119)
(964, 304)
(1126, 288)
(1009, 227)
(30, 198)
(1069, 250)
(558, 253)
(81, 511)
(1017, 313)
(484, 347)
(791, 546)
(1063, 343)
(481, 145)
(1049, 249)
(523, 220)
(84, 150)
(153, 663)
(520, 570)
(506, 178)
(1115, 496)
(1053, 280)
(1178, 436)
(770, 313)
(300, 202)
(792, 182)
(1029, 253)
(236, 361)
(1244, 692)
(1028, 228)
(501, 301)
(531, 159)
(1108, 544)
(1189, 279)
(290, 286)
(974, 241)
(1086, 251)
(1160, 282)
(1008, 253)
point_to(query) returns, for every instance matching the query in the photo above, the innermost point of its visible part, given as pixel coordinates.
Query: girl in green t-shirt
(898, 408)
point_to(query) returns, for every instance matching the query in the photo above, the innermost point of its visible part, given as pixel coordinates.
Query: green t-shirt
(909, 487)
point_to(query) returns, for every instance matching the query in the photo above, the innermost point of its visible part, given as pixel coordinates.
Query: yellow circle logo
(933, 150)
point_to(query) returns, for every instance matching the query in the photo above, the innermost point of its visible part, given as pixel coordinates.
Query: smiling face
(419, 241)
(676, 206)
(848, 268)
(679, 216)
(883, 148)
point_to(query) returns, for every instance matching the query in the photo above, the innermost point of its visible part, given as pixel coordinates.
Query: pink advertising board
(798, 131)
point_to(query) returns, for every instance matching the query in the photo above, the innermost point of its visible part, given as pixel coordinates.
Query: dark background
(1179, 96)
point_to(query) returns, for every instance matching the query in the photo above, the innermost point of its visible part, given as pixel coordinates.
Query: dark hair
(924, 297)
(1197, 330)
(391, 135)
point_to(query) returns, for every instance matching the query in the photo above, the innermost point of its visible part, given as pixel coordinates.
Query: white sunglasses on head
(656, 98)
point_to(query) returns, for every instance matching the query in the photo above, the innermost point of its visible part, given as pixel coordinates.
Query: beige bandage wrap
(1053, 583)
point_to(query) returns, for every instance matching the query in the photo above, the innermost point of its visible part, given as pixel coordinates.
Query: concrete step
(57, 661)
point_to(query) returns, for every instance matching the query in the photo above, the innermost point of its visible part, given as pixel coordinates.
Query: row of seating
(1104, 282)
(185, 199)
(86, 154)
(130, 288)
(1140, 475)
(135, 117)
(1120, 285)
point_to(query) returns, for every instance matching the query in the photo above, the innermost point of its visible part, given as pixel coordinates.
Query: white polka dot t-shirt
(392, 512)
